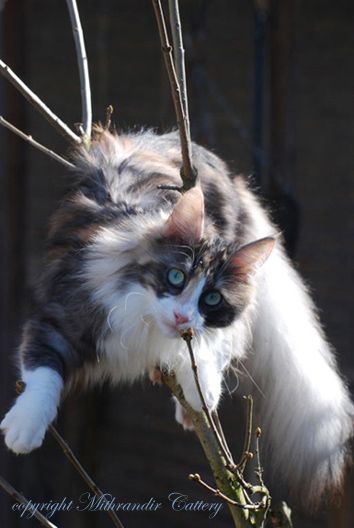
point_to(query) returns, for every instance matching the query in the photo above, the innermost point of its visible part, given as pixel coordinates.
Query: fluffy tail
(305, 410)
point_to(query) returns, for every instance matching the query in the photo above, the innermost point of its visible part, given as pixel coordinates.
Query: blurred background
(271, 88)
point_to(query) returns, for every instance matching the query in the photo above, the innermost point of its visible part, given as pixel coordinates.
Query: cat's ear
(249, 258)
(187, 219)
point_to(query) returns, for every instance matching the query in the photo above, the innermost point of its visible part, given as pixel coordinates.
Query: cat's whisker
(109, 317)
(124, 333)
(237, 384)
(251, 378)
(145, 322)
(128, 296)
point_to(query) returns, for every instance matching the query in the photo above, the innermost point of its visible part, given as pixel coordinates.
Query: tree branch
(220, 439)
(178, 52)
(38, 104)
(20, 387)
(188, 172)
(82, 472)
(22, 500)
(247, 455)
(83, 68)
(225, 480)
(230, 483)
(35, 143)
(197, 478)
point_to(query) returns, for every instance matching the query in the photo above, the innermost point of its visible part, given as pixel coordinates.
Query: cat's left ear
(249, 258)
(187, 219)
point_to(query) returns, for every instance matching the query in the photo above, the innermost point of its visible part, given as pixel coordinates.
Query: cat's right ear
(187, 219)
(250, 257)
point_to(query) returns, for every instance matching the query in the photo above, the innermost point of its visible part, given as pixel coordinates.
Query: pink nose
(180, 319)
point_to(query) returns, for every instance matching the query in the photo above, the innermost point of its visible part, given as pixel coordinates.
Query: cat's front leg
(26, 422)
(210, 379)
(45, 354)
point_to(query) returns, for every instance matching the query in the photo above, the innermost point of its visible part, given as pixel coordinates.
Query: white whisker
(237, 384)
(109, 317)
(145, 322)
(127, 298)
(126, 331)
(251, 378)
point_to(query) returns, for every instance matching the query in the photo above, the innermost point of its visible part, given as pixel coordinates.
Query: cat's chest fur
(129, 353)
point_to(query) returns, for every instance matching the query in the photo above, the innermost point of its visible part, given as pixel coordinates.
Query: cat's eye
(212, 298)
(176, 277)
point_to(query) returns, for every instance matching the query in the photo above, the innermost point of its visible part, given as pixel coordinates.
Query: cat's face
(194, 287)
(196, 282)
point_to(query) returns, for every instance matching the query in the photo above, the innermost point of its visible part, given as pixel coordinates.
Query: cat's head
(198, 280)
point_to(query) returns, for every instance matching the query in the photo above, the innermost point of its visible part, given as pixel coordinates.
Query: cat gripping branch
(130, 263)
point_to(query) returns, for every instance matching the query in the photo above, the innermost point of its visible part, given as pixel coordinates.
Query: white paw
(193, 398)
(211, 397)
(24, 428)
(182, 417)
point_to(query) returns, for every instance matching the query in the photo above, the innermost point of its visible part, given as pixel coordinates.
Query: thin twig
(188, 172)
(246, 454)
(35, 143)
(187, 336)
(20, 387)
(216, 419)
(84, 475)
(225, 480)
(109, 112)
(83, 68)
(22, 500)
(38, 104)
(218, 493)
(178, 53)
(259, 470)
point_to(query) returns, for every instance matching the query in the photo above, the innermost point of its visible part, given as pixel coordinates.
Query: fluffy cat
(130, 263)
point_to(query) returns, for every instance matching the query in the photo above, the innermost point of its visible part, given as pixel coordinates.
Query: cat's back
(141, 170)
(124, 175)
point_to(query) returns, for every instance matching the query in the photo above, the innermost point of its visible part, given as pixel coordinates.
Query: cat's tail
(303, 405)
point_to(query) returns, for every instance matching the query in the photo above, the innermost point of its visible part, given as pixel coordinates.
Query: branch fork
(230, 484)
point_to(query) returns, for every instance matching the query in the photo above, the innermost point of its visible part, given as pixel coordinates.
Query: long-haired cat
(130, 264)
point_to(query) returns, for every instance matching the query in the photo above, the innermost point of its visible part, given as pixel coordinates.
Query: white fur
(27, 421)
(305, 412)
(182, 417)
(134, 344)
(303, 405)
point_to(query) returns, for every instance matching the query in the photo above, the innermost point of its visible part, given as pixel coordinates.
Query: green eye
(176, 277)
(212, 298)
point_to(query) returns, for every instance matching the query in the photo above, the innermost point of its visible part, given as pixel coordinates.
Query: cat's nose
(180, 318)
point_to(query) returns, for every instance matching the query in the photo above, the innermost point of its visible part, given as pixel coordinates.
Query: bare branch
(187, 336)
(188, 172)
(84, 475)
(22, 500)
(227, 499)
(259, 470)
(20, 387)
(35, 143)
(109, 112)
(225, 480)
(83, 68)
(247, 455)
(216, 420)
(38, 104)
(178, 52)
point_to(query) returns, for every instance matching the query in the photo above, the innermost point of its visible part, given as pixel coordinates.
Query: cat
(131, 262)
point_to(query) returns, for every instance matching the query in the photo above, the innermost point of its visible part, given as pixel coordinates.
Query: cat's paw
(211, 398)
(182, 417)
(24, 429)
(155, 376)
